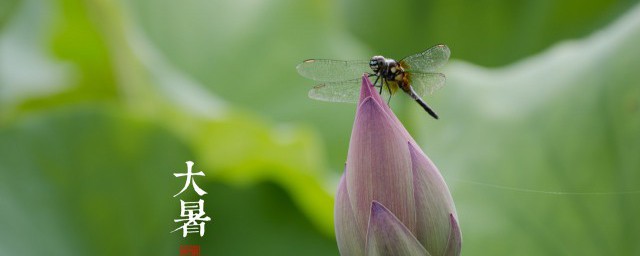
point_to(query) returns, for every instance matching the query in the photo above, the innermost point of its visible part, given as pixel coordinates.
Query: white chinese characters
(190, 179)
(192, 212)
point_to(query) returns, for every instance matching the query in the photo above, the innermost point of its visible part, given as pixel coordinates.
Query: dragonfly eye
(376, 63)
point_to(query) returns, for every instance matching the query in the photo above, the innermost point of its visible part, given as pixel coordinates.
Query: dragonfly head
(377, 63)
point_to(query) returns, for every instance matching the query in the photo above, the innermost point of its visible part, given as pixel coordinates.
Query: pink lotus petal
(433, 203)
(454, 245)
(350, 238)
(368, 90)
(388, 236)
(378, 163)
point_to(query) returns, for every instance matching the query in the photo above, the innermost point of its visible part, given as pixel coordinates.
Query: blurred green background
(101, 101)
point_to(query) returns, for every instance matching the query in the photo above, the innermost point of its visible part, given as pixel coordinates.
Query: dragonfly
(416, 75)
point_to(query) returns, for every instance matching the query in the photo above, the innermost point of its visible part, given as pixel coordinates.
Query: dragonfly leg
(374, 83)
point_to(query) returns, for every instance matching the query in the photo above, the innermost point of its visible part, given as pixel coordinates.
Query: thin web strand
(571, 193)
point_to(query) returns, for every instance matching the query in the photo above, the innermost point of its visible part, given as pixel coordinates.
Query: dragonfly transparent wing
(426, 83)
(343, 91)
(428, 61)
(333, 70)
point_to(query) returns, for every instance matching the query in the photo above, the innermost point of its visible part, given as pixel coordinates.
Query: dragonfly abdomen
(421, 102)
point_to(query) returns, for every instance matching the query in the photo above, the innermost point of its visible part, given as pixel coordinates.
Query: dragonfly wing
(344, 91)
(427, 61)
(333, 70)
(426, 83)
